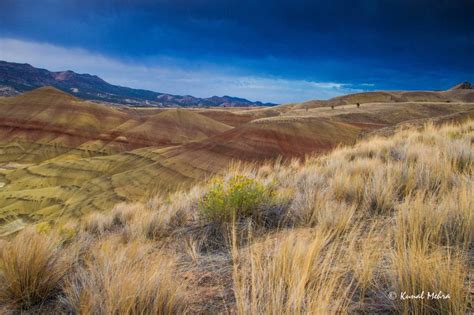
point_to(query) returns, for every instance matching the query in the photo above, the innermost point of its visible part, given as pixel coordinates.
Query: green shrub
(239, 197)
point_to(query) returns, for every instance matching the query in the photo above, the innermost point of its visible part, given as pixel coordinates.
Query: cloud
(170, 75)
(310, 40)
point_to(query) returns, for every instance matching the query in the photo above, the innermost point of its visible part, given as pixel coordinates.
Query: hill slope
(172, 127)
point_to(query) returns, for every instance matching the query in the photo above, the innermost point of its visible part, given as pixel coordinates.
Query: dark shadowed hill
(463, 86)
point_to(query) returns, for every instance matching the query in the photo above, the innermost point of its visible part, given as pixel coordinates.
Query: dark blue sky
(273, 50)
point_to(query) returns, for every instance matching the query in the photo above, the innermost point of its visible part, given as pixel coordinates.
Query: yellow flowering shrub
(43, 227)
(235, 198)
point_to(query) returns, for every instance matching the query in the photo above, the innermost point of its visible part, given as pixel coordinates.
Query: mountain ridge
(16, 78)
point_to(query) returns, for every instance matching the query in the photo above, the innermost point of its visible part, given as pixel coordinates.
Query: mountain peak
(463, 86)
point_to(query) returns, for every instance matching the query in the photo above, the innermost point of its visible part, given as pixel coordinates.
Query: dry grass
(386, 215)
(33, 267)
(290, 275)
(402, 210)
(119, 278)
(438, 271)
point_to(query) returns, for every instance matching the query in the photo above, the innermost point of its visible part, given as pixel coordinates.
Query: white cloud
(167, 75)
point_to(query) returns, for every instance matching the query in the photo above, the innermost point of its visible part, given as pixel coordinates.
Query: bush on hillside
(239, 197)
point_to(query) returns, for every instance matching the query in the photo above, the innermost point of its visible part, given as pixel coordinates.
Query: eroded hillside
(62, 157)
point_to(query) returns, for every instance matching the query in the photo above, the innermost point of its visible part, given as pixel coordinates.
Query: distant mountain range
(16, 78)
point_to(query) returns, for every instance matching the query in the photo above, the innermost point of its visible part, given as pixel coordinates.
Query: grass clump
(430, 272)
(118, 278)
(32, 269)
(290, 274)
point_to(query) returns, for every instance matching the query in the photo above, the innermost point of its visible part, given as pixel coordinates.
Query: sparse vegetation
(392, 214)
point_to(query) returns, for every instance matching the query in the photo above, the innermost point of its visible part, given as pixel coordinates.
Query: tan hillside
(170, 127)
(459, 95)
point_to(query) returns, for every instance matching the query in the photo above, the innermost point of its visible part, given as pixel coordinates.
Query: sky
(269, 50)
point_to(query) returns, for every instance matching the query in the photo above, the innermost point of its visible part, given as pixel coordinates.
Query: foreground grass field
(366, 228)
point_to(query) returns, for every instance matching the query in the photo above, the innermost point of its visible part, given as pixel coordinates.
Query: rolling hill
(64, 123)
(63, 157)
(463, 92)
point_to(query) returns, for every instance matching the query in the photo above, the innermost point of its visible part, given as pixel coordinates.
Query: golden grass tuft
(441, 272)
(119, 278)
(293, 274)
(32, 269)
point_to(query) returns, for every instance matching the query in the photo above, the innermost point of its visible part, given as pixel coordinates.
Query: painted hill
(170, 127)
(299, 132)
(16, 78)
(61, 156)
(64, 123)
